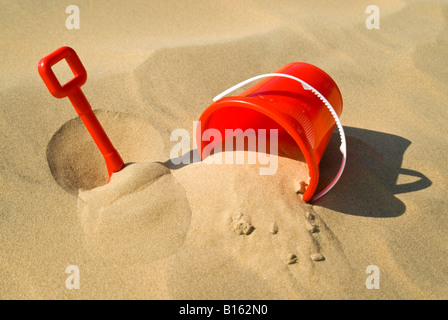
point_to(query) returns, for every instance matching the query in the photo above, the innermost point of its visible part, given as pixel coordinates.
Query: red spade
(72, 90)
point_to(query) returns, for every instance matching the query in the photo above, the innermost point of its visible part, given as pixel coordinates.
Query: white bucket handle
(306, 86)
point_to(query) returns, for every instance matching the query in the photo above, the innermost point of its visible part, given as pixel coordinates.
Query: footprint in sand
(142, 214)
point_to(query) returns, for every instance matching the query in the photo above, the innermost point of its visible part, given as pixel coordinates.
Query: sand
(210, 231)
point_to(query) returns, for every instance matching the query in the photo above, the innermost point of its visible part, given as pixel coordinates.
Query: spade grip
(72, 90)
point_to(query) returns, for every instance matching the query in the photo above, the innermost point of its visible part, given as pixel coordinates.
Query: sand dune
(198, 231)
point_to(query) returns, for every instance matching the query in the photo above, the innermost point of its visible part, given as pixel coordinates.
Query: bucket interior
(249, 122)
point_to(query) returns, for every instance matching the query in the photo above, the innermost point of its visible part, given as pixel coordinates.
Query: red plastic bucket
(300, 115)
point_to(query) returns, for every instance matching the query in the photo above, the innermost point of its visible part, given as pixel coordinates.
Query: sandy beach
(219, 231)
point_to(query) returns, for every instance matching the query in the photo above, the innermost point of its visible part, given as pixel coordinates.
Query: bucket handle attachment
(306, 86)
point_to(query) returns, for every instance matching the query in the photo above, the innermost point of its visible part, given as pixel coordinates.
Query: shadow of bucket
(369, 184)
(302, 119)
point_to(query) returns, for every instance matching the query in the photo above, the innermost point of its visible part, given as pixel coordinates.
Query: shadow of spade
(369, 183)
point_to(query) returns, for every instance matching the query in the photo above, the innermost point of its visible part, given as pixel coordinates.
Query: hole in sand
(75, 161)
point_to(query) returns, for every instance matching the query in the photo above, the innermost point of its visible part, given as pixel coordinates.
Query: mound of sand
(141, 215)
